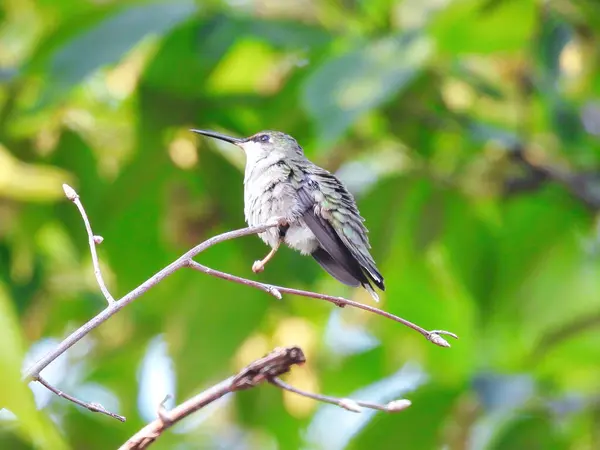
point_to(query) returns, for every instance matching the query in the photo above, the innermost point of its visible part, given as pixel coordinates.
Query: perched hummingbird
(316, 214)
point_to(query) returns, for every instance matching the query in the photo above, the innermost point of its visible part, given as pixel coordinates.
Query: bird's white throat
(254, 152)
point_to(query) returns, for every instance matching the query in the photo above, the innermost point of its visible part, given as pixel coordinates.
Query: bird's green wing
(332, 215)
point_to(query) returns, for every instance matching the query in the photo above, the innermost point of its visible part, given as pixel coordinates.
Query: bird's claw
(258, 266)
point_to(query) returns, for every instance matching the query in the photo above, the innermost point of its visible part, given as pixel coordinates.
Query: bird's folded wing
(342, 235)
(330, 242)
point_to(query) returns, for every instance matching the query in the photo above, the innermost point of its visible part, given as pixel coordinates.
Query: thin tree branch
(346, 403)
(434, 336)
(93, 240)
(278, 362)
(268, 369)
(94, 407)
(147, 435)
(273, 290)
(33, 372)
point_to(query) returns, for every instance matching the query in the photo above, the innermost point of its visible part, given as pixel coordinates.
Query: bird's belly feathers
(299, 237)
(265, 202)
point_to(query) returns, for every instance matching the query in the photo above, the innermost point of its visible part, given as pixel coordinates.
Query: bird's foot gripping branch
(264, 369)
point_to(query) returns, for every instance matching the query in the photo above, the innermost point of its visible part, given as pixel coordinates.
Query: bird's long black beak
(222, 137)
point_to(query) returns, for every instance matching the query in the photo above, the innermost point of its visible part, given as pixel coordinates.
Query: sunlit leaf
(472, 26)
(205, 46)
(30, 182)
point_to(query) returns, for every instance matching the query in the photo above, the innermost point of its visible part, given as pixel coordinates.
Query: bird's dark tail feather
(341, 273)
(335, 269)
(371, 291)
(375, 276)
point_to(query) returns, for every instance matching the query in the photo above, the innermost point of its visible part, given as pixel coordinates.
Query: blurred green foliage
(468, 131)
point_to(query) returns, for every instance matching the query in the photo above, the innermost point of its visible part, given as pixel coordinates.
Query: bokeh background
(468, 131)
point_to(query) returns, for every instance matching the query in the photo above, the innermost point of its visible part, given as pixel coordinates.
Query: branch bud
(69, 192)
(398, 405)
(438, 340)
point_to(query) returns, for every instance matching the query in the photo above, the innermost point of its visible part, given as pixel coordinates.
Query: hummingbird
(315, 213)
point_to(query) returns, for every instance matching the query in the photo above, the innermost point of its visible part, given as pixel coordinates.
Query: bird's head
(260, 144)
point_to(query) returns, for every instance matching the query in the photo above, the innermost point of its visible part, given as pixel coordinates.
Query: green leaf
(286, 34)
(201, 47)
(342, 89)
(418, 427)
(15, 395)
(74, 51)
(528, 431)
(469, 26)
(29, 182)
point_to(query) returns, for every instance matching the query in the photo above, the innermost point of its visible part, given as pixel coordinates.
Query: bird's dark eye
(264, 138)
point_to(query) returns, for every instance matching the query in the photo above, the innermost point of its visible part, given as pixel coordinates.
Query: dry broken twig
(278, 362)
(268, 368)
(186, 260)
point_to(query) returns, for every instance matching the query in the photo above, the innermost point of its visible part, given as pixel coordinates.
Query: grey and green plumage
(320, 215)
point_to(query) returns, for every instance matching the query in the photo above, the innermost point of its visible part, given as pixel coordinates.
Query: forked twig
(265, 369)
(186, 260)
(94, 407)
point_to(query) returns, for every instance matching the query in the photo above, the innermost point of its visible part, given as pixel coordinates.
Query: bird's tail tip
(371, 291)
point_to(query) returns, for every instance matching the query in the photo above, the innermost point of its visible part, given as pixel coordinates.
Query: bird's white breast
(268, 194)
